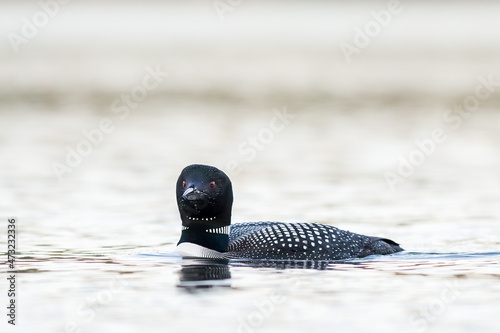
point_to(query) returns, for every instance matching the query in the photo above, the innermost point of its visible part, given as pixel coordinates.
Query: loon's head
(204, 197)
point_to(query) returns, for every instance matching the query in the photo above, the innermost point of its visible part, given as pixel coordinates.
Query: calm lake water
(104, 106)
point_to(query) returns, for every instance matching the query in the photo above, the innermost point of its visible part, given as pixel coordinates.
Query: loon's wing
(241, 229)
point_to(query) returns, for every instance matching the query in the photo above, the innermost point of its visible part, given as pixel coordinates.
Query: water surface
(97, 243)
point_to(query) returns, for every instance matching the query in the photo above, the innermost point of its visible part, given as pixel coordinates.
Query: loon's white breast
(187, 249)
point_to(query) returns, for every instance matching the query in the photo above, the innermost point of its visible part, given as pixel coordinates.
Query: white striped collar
(221, 230)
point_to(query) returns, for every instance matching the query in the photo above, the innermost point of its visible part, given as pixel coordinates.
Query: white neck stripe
(221, 230)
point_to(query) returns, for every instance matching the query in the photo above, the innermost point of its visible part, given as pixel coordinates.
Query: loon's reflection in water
(209, 273)
(204, 273)
(285, 264)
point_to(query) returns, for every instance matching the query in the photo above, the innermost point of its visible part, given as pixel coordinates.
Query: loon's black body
(205, 197)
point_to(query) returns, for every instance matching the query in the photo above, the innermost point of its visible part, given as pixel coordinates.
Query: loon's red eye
(184, 184)
(212, 184)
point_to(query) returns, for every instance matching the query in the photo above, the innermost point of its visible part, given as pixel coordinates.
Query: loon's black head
(204, 197)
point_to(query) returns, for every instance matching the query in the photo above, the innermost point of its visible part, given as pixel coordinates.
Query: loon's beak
(192, 194)
(187, 191)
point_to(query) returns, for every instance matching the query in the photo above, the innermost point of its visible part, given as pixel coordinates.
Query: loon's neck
(216, 239)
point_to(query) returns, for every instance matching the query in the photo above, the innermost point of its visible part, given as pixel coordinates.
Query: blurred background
(320, 111)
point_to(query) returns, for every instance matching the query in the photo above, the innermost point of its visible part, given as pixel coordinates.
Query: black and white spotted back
(302, 241)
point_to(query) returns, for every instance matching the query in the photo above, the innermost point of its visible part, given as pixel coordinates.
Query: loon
(205, 199)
